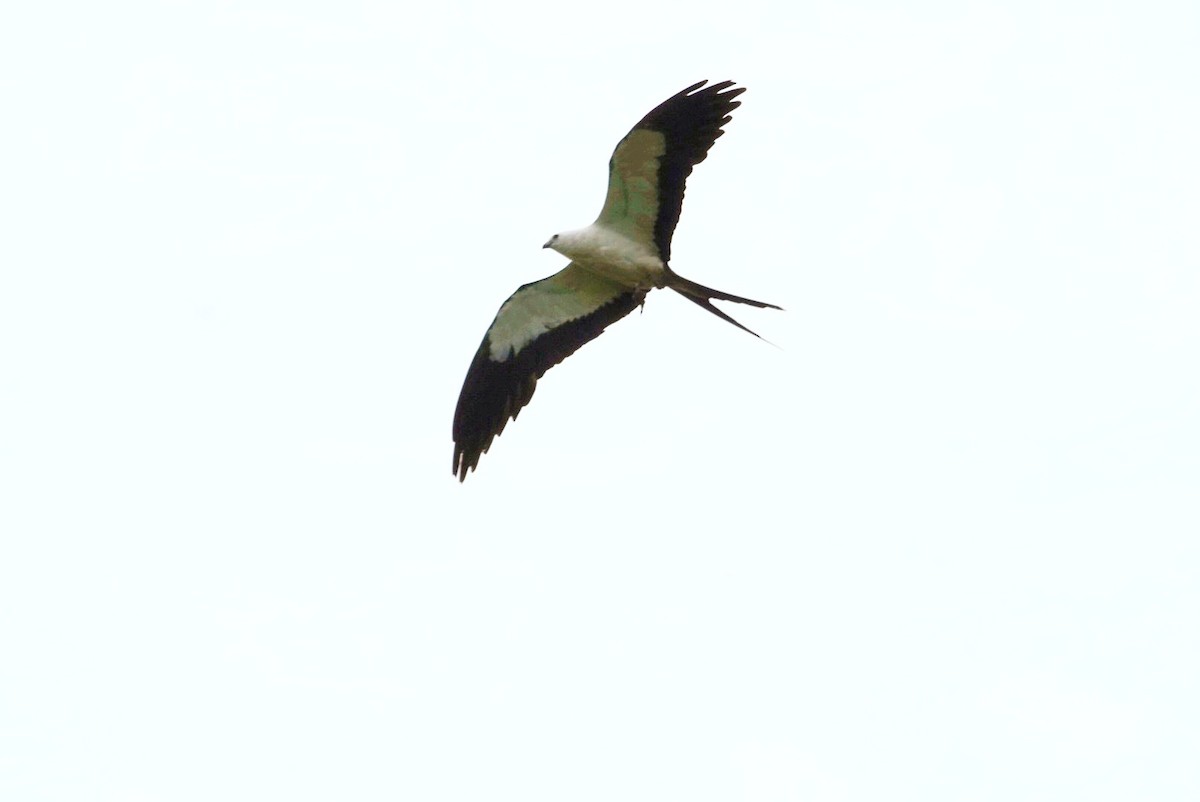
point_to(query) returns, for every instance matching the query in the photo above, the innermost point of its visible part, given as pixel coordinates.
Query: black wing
(651, 164)
(540, 325)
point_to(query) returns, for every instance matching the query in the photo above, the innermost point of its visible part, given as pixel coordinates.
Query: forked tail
(701, 296)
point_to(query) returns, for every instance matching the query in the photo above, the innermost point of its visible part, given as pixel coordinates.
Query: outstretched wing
(648, 169)
(540, 325)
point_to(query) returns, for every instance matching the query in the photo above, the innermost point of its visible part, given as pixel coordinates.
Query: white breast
(612, 255)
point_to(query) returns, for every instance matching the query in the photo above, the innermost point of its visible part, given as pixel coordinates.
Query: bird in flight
(614, 262)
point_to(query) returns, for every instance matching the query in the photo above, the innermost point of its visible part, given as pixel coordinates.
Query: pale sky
(938, 543)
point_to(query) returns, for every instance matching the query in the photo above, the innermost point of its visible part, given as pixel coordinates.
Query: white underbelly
(623, 261)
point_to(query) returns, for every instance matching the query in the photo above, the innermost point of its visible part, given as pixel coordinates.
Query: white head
(570, 244)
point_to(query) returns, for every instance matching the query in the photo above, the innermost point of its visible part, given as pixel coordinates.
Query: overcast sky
(938, 542)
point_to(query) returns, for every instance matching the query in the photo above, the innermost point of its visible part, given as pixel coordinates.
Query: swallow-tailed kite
(614, 262)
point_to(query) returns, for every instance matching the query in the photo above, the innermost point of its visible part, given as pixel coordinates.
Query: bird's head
(571, 244)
